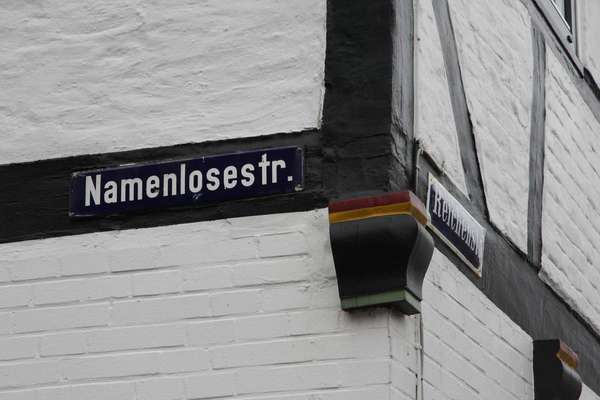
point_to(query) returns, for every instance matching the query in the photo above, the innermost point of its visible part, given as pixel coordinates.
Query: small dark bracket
(381, 250)
(554, 365)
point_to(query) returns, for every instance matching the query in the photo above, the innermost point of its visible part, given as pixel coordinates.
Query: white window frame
(566, 30)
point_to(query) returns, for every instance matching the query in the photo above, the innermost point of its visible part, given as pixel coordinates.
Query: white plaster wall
(434, 119)
(80, 77)
(495, 51)
(571, 207)
(589, 30)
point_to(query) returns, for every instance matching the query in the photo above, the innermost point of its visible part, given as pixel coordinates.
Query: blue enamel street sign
(189, 182)
(455, 226)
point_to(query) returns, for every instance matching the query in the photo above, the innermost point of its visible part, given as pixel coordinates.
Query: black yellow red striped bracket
(394, 203)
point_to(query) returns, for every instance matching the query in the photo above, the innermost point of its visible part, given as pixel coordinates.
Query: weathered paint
(81, 77)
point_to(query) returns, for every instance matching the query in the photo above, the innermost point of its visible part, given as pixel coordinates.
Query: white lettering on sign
(172, 184)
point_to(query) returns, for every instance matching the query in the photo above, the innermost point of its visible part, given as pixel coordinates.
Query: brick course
(259, 333)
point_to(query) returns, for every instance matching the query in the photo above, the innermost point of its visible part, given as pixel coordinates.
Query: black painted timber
(537, 150)
(403, 104)
(35, 196)
(357, 109)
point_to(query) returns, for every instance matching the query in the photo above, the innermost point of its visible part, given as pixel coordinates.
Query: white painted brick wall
(254, 334)
(243, 307)
(472, 349)
(434, 119)
(83, 77)
(571, 208)
(405, 355)
(495, 52)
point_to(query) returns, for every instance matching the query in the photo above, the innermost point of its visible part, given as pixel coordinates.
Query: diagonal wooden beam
(462, 118)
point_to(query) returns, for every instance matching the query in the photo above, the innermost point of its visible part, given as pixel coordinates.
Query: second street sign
(455, 226)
